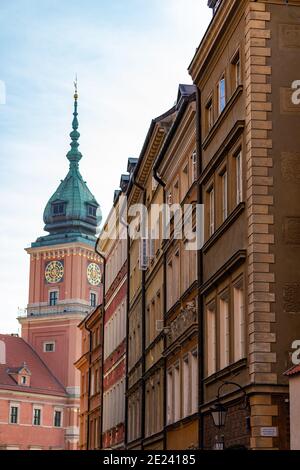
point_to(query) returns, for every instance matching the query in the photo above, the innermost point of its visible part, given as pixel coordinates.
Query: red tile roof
(293, 371)
(41, 381)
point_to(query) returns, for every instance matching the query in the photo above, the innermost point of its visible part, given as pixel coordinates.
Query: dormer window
(92, 211)
(59, 209)
(214, 4)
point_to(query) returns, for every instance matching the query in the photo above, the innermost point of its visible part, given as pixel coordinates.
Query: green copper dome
(72, 213)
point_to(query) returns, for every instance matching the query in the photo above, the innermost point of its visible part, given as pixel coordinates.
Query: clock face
(54, 272)
(94, 274)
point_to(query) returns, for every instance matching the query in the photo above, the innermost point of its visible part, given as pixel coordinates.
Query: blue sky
(130, 56)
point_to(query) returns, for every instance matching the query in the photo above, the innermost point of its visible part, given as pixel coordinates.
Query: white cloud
(128, 74)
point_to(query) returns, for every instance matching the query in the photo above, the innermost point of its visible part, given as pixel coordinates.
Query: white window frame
(48, 342)
(224, 177)
(194, 166)
(60, 410)
(221, 97)
(96, 298)
(186, 385)
(224, 317)
(52, 291)
(22, 379)
(170, 398)
(37, 407)
(209, 114)
(194, 380)
(239, 176)
(177, 391)
(239, 320)
(237, 64)
(211, 335)
(211, 194)
(14, 405)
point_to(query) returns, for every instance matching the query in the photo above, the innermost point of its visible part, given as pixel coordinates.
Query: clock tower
(65, 279)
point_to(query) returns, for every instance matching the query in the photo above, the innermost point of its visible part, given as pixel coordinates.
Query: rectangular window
(37, 416)
(176, 192)
(194, 166)
(239, 322)
(211, 341)
(186, 387)
(194, 381)
(184, 180)
(49, 347)
(239, 178)
(177, 393)
(59, 209)
(209, 115)
(57, 418)
(222, 94)
(53, 298)
(224, 333)
(176, 276)
(93, 299)
(14, 415)
(236, 71)
(92, 211)
(211, 211)
(224, 196)
(170, 396)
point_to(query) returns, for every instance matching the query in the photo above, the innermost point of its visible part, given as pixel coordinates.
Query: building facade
(176, 166)
(293, 375)
(90, 368)
(145, 366)
(248, 151)
(212, 329)
(113, 248)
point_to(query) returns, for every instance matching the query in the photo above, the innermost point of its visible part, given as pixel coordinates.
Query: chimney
(2, 353)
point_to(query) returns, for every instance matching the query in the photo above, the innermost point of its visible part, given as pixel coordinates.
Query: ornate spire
(74, 156)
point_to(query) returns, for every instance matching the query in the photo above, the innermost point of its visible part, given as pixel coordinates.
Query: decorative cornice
(238, 258)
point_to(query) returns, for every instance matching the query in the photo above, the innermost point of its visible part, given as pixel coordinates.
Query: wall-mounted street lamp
(219, 412)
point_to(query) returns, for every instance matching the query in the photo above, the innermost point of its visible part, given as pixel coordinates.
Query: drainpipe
(163, 184)
(127, 344)
(102, 346)
(141, 188)
(89, 388)
(200, 279)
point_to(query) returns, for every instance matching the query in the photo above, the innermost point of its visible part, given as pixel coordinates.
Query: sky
(129, 55)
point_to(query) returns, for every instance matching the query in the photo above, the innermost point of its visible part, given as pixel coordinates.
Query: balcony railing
(54, 310)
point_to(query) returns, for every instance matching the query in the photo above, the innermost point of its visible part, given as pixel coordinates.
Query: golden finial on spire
(76, 88)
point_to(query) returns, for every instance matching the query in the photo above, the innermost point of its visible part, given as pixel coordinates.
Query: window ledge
(182, 421)
(225, 225)
(234, 367)
(222, 116)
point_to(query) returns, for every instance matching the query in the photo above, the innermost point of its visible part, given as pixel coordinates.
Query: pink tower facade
(50, 324)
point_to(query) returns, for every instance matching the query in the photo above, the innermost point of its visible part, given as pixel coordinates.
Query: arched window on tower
(91, 211)
(58, 208)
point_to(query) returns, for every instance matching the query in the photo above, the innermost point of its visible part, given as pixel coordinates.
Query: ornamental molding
(186, 318)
